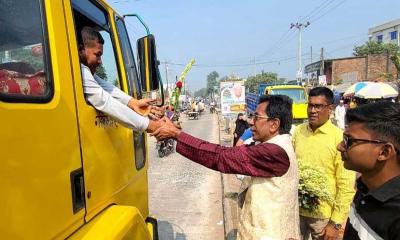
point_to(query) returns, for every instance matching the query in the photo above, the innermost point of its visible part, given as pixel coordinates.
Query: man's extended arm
(262, 160)
(106, 103)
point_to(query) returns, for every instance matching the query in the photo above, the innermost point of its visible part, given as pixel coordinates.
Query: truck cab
(297, 93)
(69, 171)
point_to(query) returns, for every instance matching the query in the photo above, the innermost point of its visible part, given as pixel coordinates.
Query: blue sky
(217, 33)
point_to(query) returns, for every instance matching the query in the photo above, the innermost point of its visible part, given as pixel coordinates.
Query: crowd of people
(271, 156)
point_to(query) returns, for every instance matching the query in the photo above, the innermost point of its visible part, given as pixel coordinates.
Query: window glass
(139, 139)
(129, 60)
(23, 75)
(108, 69)
(379, 38)
(393, 35)
(297, 95)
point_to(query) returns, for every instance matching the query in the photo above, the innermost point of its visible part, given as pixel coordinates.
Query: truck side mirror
(148, 68)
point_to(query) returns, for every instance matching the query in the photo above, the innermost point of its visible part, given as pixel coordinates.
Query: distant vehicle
(297, 93)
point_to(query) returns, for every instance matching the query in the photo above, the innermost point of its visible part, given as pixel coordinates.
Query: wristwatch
(337, 226)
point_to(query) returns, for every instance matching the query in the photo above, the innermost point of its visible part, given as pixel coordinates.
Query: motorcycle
(212, 109)
(165, 147)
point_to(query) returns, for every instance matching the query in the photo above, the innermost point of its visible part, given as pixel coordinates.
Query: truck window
(108, 70)
(89, 14)
(297, 95)
(129, 59)
(134, 87)
(24, 59)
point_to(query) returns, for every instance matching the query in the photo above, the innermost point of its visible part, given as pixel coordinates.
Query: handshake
(160, 126)
(164, 128)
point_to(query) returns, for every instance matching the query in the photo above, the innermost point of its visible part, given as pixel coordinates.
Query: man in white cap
(340, 112)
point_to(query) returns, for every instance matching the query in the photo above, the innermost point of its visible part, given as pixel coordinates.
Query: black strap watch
(337, 226)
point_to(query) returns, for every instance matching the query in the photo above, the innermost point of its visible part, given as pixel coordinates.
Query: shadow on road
(166, 231)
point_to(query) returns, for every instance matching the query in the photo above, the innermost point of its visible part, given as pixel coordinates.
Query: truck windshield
(297, 95)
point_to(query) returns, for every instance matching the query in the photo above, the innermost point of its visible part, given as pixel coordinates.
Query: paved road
(186, 197)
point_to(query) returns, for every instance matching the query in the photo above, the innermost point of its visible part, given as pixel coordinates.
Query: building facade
(386, 33)
(377, 67)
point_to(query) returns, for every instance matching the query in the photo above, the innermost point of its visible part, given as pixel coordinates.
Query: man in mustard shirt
(315, 144)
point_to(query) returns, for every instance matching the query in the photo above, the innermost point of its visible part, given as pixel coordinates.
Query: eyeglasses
(256, 117)
(317, 107)
(348, 141)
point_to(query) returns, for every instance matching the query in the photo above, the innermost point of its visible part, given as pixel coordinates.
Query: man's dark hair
(322, 91)
(280, 107)
(381, 118)
(89, 36)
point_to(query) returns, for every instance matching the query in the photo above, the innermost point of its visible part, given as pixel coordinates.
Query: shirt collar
(323, 129)
(385, 192)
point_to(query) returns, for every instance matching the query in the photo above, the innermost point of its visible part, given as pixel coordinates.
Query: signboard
(313, 67)
(322, 80)
(233, 99)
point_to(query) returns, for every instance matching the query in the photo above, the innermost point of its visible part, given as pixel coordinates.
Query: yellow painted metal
(39, 149)
(43, 143)
(115, 222)
(299, 110)
(107, 150)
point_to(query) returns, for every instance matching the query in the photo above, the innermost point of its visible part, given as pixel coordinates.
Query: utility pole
(300, 27)
(166, 76)
(322, 70)
(311, 54)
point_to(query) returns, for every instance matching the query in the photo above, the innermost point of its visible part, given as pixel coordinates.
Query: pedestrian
(241, 126)
(370, 145)
(353, 103)
(340, 112)
(104, 96)
(315, 145)
(270, 206)
(247, 136)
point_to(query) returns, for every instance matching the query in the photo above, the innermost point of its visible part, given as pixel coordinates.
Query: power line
(238, 65)
(329, 10)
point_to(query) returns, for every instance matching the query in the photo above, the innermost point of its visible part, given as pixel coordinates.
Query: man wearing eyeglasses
(315, 146)
(370, 146)
(270, 207)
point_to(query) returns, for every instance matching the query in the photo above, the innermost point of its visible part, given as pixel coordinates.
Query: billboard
(233, 99)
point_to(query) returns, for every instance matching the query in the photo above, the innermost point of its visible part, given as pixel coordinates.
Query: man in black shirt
(370, 145)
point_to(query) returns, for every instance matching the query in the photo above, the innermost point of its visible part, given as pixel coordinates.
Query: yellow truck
(67, 170)
(297, 93)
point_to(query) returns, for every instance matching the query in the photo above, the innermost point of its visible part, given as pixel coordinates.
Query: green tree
(212, 81)
(252, 83)
(373, 47)
(25, 55)
(396, 61)
(201, 93)
(101, 72)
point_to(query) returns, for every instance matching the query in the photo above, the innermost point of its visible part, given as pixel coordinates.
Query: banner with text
(232, 97)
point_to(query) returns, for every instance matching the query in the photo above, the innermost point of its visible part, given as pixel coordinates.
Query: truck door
(110, 171)
(41, 177)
